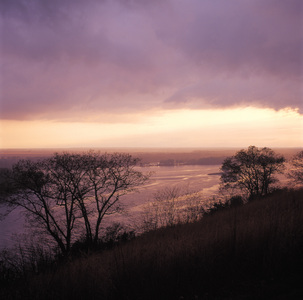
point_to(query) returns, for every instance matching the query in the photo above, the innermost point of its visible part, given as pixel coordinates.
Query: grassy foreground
(249, 252)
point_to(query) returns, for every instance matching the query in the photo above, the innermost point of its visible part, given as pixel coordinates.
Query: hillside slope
(249, 252)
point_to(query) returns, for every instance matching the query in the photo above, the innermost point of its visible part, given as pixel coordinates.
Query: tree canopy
(296, 169)
(252, 171)
(70, 194)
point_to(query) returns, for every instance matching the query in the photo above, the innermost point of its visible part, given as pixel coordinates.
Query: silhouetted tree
(41, 189)
(108, 177)
(252, 170)
(296, 169)
(57, 192)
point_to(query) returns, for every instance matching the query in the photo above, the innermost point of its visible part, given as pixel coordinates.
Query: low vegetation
(251, 251)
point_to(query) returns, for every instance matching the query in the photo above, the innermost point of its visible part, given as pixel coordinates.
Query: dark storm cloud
(253, 36)
(251, 52)
(71, 59)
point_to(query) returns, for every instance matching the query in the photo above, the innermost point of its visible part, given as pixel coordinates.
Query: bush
(112, 236)
(217, 206)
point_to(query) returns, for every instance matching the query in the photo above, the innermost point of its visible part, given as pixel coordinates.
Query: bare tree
(40, 189)
(252, 170)
(165, 200)
(108, 177)
(172, 205)
(59, 191)
(296, 169)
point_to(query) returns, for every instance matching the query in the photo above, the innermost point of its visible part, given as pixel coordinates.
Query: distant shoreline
(147, 156)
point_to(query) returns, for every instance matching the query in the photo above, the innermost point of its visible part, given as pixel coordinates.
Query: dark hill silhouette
(249, 252)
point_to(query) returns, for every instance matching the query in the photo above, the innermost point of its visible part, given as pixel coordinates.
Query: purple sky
(99, 61)
(70, 56)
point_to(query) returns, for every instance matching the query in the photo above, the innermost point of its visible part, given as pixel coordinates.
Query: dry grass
(249, 252)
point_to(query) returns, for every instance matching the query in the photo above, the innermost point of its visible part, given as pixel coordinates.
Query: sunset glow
(171, 128)
(151, 74)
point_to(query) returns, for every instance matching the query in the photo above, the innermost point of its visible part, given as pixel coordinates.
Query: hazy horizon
(146, 155)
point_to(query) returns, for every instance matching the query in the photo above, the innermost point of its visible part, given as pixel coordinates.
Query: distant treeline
(199, 161)
(8, 162)
(168, 157)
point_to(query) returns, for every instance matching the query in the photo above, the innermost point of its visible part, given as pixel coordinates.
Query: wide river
(192, 178)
